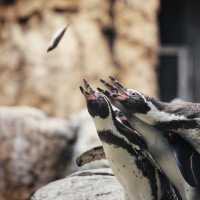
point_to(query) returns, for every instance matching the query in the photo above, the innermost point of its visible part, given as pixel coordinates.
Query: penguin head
(130, 99)
(97, 103)
(133, 100)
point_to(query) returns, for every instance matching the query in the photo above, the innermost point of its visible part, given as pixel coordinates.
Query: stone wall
(105, 37)
(34, 150)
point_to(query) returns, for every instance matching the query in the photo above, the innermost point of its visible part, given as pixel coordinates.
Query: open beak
(87, 91)
(115, 90)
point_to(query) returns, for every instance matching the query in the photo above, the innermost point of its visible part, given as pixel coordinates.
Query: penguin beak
(115, 90)
(87, 91)
(95, 100)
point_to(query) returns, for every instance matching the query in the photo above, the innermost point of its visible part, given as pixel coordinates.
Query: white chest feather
(125, 169)
(104, 124)
(162, 153)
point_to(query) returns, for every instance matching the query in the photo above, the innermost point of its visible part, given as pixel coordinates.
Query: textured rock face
(108, 37)
(136, 43)
(34, 150)
(91, 185)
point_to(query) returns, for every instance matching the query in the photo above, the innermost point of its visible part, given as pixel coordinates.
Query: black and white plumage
(178, 120)
(166, 148)
(177, 116)
(127, 152)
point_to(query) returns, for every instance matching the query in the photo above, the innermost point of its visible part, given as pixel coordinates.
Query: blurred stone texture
(34, 150)
(105, 37)
(97, 184)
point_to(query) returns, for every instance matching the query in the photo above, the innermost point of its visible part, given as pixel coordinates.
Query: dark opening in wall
(168, 77)
(171, 22)
(170, 35)
(7, 2)
(174, 70)
(110, 35)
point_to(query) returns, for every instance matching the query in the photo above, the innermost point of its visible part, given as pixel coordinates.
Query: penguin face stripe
(133, 138)
(130, 135)
(145, 166)
(98, 107)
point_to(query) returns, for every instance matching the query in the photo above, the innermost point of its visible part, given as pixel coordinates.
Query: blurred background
(152, 46)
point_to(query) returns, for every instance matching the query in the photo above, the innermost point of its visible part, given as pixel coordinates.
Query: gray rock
(82, 124)
(34, 150)
(99, 184)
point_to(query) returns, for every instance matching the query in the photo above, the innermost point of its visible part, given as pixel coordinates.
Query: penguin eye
(134, 94)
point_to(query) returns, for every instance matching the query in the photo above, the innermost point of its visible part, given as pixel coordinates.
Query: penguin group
(153, 147)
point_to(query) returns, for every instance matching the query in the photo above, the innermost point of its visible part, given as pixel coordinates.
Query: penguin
(182, 173)
(127, 152)
(179, 116)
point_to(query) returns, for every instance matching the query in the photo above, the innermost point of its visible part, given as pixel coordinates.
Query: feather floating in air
(57, 38)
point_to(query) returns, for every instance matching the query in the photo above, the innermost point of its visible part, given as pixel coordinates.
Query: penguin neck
(154, 112)
(157, 112)
(159, 105)
(161, 150)
(105, 123)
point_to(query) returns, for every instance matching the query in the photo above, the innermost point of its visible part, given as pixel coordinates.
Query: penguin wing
(169, 192)
(188, 160)
(187, 109)
(178, 124)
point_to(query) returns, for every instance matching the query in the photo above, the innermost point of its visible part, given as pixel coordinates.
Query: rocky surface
(135, 48)
(82, 124)
(91, 185)
(34, 150)
(108, 37)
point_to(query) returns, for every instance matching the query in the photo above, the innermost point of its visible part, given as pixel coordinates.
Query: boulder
(34, 150)
(99, 184)
(81, 123)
